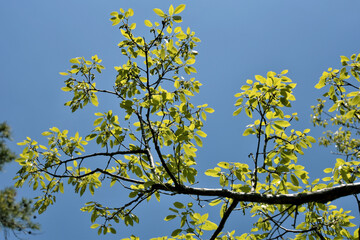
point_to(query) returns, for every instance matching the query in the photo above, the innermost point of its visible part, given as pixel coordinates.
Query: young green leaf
(282, 123)
(148, 23)
(201, 134)
(159, 12)
(179, 9)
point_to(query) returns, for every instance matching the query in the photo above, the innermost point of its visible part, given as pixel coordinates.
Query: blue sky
(239, 40)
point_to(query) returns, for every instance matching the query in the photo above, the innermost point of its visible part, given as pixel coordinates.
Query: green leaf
(268, 130)
(66, 89)
(179, 205)
(333, 107)
(46, 133)
(148, 23)
(171, 10)
(190, 61)
(94, 100)
(74, 60)
(350, 114)
(189, 151)
(203, 115)
(248, 112)
(98, 121)
(294, 180)
(344, 59)
(179, 9)
(282, 123)
(95, 225)
(181, 36)
(132, 26)
(177, 19)
(176, 84)
(209, 110)
(169, 217)
(215, 202)
(225, 165)
(355, 100)
(284, 72)
(198, 141)
(132, 136)
(201, 134)
(176, 232)
(248, 131)
(159, 12)
(90, 137)
(208, 226)
(260, 78)
(320, 84)
(115, 21)
(311, 139)
(212, 173)
(237, 111)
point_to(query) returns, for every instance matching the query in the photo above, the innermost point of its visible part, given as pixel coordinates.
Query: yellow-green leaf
(225, 165)
(320, 84)
(294, 180)
(132, 26)
(98, 121)
(212, 173)
(282, 123)
(95, 225)
(179, 9)
(201, 133)
(198, 141)
(159, 12)
(169, 217)
(284, 72)
(248, 131)
(248, 112)
(355, 100)
(350, 114)
(215, 202)
(208, 226)
(311, 139)
(94, 100)
(190, 61)
(74, 60)
(66, 89)
(176, 84)
(237, 111)
(171, 10)
(148, 23)
(344, 59)
(132, 136)
(209, 110)
(46, 133)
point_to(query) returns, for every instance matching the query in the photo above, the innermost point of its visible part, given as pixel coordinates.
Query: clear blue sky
(239, 39)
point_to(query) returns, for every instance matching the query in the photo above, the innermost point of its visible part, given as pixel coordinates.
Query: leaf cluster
(149, 143)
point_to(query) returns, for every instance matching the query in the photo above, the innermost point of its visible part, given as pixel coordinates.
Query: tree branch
(92, 172)
(224, 219)
(319, 196)
(110, 154)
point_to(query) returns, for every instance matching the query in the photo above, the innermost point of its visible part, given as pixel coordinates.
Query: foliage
(150, 145)
(6, 155)
(14, 216)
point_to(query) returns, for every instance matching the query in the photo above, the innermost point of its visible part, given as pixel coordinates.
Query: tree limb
(319, 196)
(224, 219)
